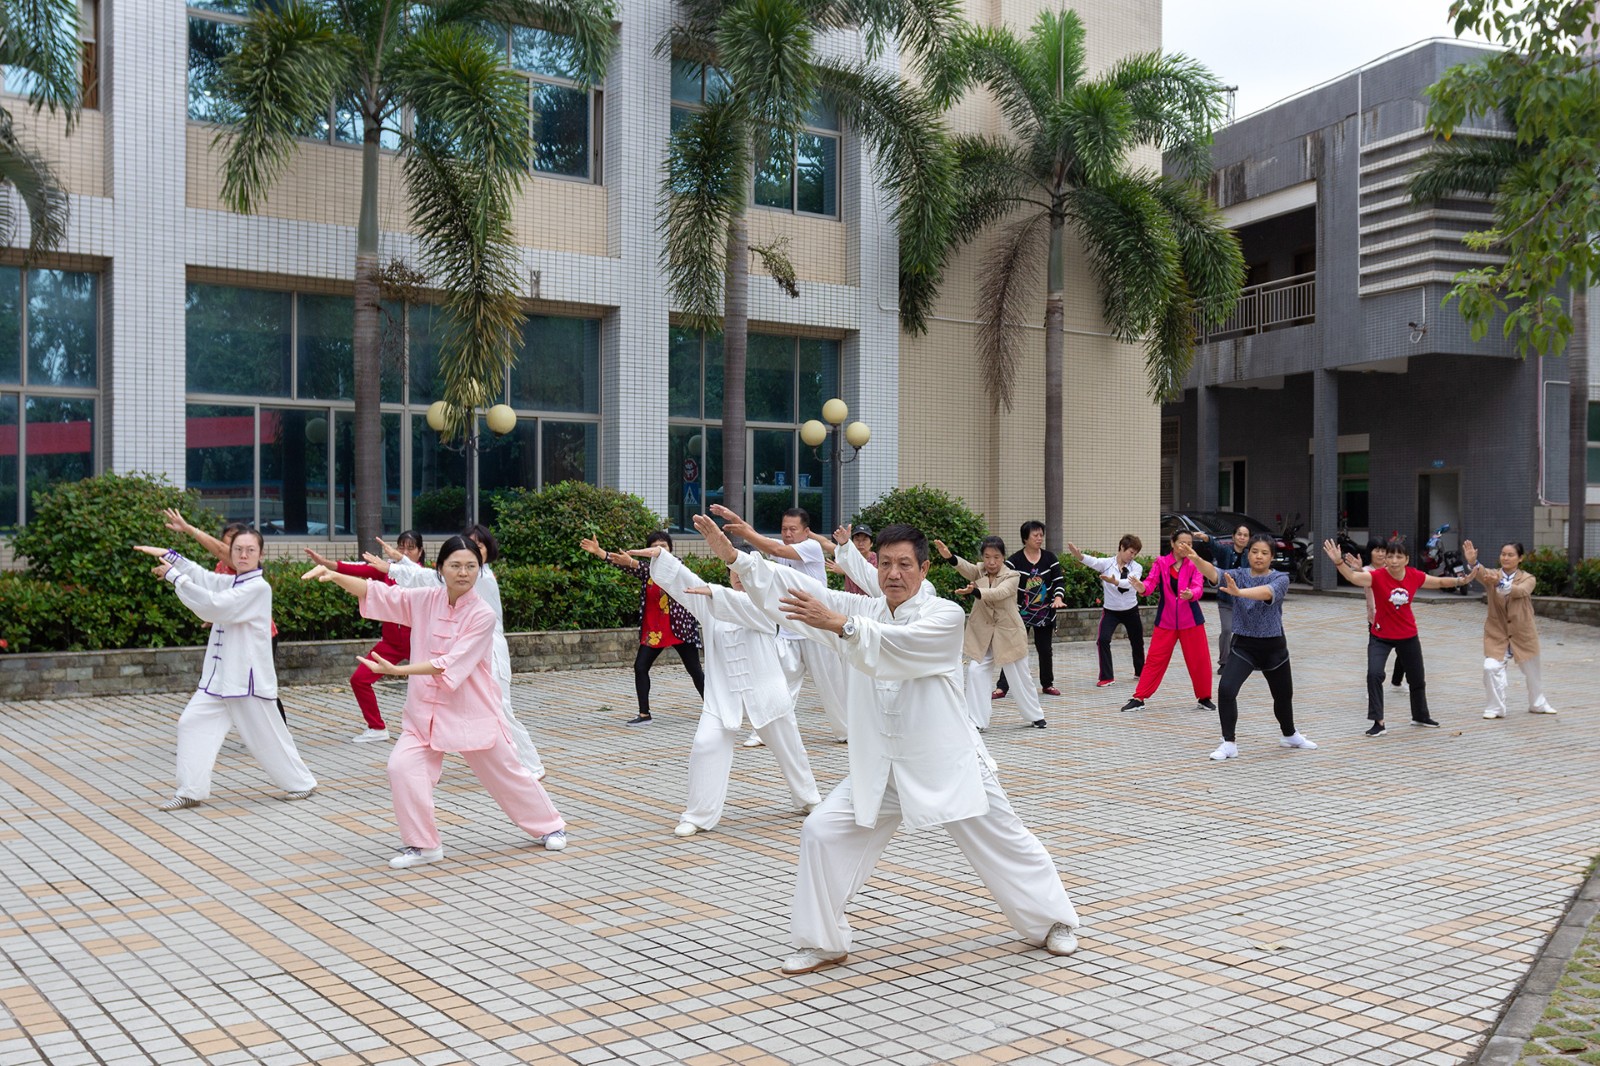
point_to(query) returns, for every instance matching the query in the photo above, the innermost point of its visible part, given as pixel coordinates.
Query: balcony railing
(1270, 305)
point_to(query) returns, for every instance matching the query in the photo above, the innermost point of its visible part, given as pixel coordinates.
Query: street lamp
(814, 434)
(501, 419)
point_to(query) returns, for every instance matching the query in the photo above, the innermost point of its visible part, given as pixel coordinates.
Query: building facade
(172, 335)
(1342, 386)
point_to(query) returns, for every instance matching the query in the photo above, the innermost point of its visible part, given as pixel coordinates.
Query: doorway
(1438, 502)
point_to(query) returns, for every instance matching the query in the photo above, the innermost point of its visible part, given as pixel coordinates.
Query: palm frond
(1210, 260)
(1007, 67)
(1056, 51)
(292, 61)
(1467, 166)
(42, 195)
(466, 101)
(1132, 250)
(588, 22)
(1010, 278)
(708, 167)
(1169, 350)
(1089, 131)
(41, 38)
(765, 48)
(993, 178)
(1176, 103)
(922, 29)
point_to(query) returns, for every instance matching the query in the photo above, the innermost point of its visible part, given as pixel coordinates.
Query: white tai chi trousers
(800, 657)
(711, 759)
(837, 856)
(1494, 684)
(980, 686)
(203, 727)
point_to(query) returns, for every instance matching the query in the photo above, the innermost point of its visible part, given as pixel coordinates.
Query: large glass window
(561, 112)
(21, 81)
(237, 341)
(1594, 444)
(787, 380)
(49, 370)
(800, 173)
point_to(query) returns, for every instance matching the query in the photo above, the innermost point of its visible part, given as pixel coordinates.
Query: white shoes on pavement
(410, 857)
(811, 960)
(1061, 939)
(370, 736)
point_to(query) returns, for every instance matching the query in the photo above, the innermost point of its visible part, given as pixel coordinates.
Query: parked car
(1219, 525)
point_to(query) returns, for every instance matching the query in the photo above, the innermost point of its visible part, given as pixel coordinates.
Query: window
(21, 81)
(1594, 444)
(787, 380)
(271, 414)
(49, 372)
(561, 112)
(1353, 488)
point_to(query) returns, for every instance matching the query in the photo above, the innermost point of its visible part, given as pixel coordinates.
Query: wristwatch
(848, 630)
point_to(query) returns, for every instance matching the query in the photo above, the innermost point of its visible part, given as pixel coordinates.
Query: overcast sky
(1273, 48)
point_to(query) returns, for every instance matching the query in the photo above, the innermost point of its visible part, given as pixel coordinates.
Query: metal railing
(1270, 305)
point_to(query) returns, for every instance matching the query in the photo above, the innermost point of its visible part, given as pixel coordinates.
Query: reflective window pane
(508, 462)
(10, 326)
(815, 487)
(686, 81)
(325, 347)
(60, 444)
(63, 327)
(571, 452)
(220, 449)
(769, 379)
(429, 329)
(558, 368)
(237, 340)
(209, 43)
(821, 115)
(438, 482)
(683, 373)
(344, 471)
(714, 375)
(816, 174)
(686, 482)
(294, 472)
(774, 171)
(560, 130)
(713, 466)
(9, 465)
(543, 52)
(819, 376)
(773, 477)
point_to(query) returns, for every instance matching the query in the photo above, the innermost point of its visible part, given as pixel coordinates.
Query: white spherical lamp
(317, 431)
(502, 419)
(857, 433)
(835, 411)
(813, 433)
(437, 417)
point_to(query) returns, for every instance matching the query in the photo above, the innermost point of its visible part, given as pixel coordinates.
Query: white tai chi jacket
(743, 674)
(908, 717)
(239, 608)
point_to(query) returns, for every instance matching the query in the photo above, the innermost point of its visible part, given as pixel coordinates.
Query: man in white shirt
(915, 757)
(799, 656)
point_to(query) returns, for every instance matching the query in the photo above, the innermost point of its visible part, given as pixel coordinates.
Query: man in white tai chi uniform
(914, 754)
(797, 549)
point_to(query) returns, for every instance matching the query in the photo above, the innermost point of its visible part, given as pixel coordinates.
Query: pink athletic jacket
(1167, 579)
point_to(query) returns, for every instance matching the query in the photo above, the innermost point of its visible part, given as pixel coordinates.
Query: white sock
(1297, 741)
(1226, 750)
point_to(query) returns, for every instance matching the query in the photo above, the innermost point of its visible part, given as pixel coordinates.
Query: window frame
(595, 95)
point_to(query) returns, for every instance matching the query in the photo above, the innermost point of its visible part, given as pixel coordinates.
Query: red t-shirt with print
(1391, 603)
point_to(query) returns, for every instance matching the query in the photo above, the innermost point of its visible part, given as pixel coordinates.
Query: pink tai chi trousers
(414, 770)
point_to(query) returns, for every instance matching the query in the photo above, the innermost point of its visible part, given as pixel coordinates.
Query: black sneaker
(1377, 730)
(640, 720)
(1133, 705)
(1425, 723)
(1038, 723)
(1206, 704)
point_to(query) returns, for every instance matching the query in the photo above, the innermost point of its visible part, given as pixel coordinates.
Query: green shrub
(543, 528)
(937, 513)
(1548, 565)
(548, 597)
(441, 510)
(314, 610)
(710, 569)
(1586, 581)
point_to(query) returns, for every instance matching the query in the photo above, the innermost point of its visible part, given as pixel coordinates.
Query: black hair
(993, 542)
(233, 529)
(800, 513)
(1373, 545)
(460, 542)
(1130, 540)
(1176, 533)
(658, 536)
(480, 533)
(1263, 538)
(244, 529)
(1028, 528)
(1397, 546)
(1517, 544)
(411, 536)
(900, 533)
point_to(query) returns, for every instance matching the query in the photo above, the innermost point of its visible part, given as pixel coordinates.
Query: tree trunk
(1577, 428)
(1054, 339)
(735, 343)
(367, 351)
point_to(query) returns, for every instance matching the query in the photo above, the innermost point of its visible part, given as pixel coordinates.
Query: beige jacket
(1510, 617)
(995, 625)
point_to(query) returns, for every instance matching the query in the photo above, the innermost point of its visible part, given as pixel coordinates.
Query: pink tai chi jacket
(458, 710)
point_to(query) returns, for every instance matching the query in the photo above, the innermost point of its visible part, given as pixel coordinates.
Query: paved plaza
(1375, 901)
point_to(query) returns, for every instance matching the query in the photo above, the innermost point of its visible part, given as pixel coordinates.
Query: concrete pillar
(1324, 469)
(1206, 448)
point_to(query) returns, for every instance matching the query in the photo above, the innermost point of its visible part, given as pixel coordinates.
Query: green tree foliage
(544, 527)
(38, 39)
(937, 513)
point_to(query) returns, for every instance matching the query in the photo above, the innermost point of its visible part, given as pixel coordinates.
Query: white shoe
(409, 857)
(811, 960)
(808, 808)
(1226, 750)
(686, 829)
(754, 741)
(539, 774)
(1297, 741)
(299, 794)
(178, 803)
(1543, 708)
(556, 841)
(1494, 714)
(370, 736)
(1061, 940)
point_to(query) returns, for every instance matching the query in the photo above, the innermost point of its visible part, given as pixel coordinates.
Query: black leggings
(1408, 655)
(646, 659)
(1043, 637)
(1270, 655)
(1134, 624)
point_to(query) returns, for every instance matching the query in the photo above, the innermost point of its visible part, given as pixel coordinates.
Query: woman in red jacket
(1178, 621)
(395, 644)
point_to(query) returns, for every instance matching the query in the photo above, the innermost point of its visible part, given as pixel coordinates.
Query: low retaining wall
(58, 675)
(1564, 609)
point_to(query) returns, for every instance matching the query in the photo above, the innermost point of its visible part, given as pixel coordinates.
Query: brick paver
(1371, 902)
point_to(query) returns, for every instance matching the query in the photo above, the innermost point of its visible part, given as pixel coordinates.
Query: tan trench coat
(1510, 617)
(995, 619)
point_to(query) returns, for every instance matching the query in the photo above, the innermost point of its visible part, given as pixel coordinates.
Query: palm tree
(463, 155)
(1156, 245)
(39, 42)
(768, 75)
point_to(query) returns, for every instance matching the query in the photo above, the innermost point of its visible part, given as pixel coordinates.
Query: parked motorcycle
(1293, 551)
(1443, 562)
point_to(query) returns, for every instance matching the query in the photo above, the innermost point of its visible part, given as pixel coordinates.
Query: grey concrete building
(1341, 384)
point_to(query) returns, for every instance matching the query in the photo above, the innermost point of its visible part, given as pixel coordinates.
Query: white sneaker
(299, 794)
(1494, 714)
(1297, 741)
(178, 803)
(370, 736)
(1404, 686)
(1061, 939)
(686, 829)
(811, 960)
(753, 741)
(1543, 708)
(1226, 750)
(409, 857)
(556, 841)
(808, 808)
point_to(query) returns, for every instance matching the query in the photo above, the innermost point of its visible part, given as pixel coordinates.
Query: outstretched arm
(1359, 578)
(1432, 582)
(179, 524)
(355, 586)
(738, 527)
